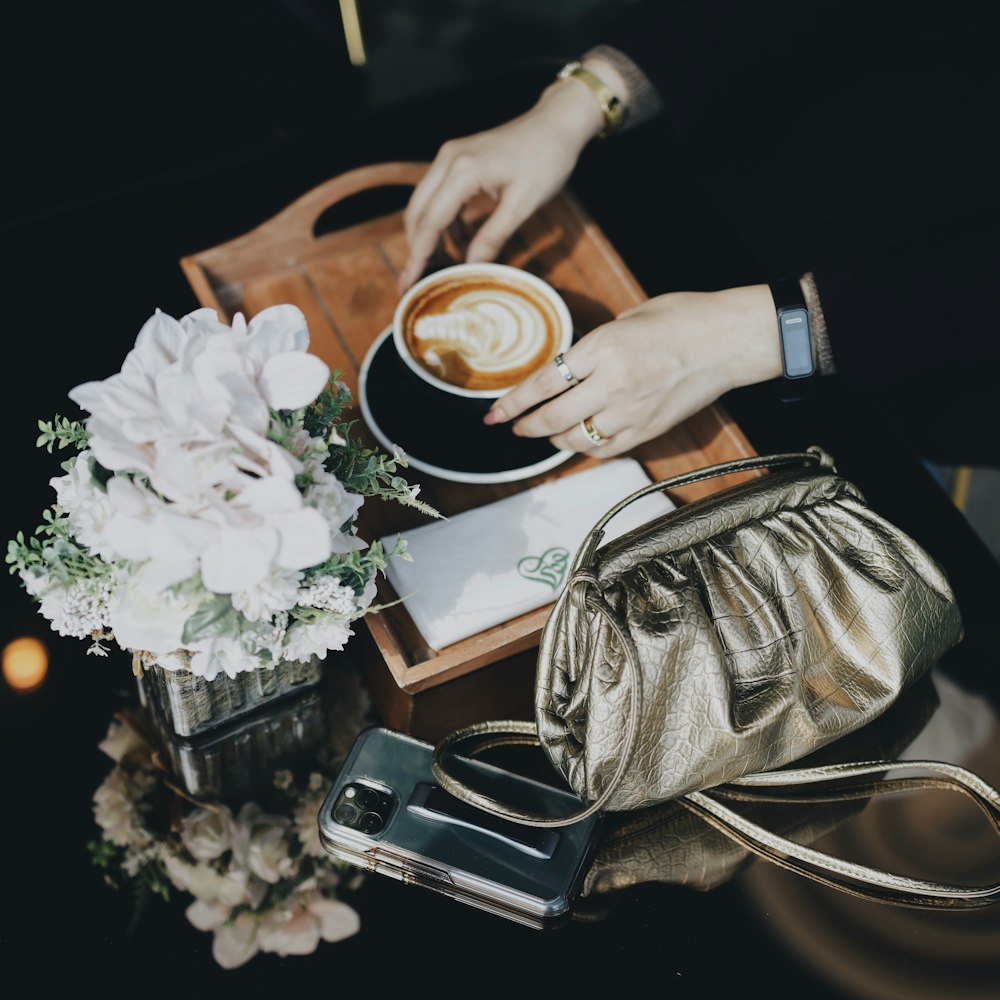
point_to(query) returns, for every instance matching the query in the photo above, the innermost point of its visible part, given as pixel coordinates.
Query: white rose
(87, 506)
(297, 926)
(206, 882)
(234, 944)
(208, 833)
(268, 526)
(289, 929)
(190, 407)
(261, 844)
(151, 622)
(336, 919)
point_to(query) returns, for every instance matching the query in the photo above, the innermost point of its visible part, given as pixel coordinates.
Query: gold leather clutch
(732, 637)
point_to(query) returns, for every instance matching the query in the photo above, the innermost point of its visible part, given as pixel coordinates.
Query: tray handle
(295, 224)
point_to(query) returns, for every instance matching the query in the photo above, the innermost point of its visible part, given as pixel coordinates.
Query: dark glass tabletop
(84, 756)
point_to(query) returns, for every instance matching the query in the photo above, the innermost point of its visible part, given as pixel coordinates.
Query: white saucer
(435, 430)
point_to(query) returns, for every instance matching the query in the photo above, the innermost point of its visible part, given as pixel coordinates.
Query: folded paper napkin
(490, 564)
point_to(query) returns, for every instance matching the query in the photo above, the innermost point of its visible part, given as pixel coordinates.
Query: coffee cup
(477, 330)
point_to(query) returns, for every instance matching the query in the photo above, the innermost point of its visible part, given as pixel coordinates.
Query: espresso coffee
(477, 332)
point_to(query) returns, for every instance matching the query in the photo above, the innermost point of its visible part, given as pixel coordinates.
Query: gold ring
(564, 369)
(588, 428)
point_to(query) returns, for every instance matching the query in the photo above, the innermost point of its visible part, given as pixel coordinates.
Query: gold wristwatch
(611, 105)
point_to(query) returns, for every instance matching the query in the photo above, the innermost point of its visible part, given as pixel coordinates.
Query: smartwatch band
(795, 336)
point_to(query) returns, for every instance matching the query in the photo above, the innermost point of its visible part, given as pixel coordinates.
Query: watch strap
(611, 105)
(795, 335)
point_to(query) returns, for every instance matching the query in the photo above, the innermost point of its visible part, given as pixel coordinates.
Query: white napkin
(492, 563)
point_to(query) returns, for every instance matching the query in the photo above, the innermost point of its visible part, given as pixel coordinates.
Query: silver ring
(588, 428)
(564, 369)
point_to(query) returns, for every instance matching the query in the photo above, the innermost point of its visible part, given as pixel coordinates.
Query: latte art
(480, 334)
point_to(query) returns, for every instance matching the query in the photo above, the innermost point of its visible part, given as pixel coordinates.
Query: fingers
(435, 203)
(425, 229)
(509, 213)
(543, 384)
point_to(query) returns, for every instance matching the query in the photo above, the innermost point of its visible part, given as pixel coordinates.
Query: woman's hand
(648, 370)
(522, 164)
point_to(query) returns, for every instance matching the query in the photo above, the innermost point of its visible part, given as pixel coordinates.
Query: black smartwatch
(796, 337)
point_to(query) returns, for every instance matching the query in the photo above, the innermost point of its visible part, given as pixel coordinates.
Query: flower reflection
(259, 877)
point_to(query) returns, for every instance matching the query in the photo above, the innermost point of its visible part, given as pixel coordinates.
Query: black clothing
(856, 140)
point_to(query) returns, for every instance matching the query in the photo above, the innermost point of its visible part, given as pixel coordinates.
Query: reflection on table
(225, 825)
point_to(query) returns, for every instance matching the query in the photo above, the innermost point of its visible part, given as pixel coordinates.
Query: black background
(136, 134)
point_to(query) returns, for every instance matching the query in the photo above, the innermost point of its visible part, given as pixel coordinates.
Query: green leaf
(214, 618)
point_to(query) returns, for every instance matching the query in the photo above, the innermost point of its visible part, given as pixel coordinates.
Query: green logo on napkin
(549, 567)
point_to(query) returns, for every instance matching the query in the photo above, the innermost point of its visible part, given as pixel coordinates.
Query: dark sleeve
(917, 330)
(868, 156)
(696, 51)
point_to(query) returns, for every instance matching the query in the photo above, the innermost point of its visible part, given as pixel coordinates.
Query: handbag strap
(811, 456)
(509, 732)
(858, 880)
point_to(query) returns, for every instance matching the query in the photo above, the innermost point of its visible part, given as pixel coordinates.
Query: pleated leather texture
(766, 621)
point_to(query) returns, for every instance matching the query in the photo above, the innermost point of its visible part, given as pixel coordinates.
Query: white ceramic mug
(477, 330)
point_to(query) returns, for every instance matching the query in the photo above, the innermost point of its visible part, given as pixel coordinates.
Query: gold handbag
(730, 637)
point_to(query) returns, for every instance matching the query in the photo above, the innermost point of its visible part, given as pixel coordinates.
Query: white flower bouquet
(207, 522)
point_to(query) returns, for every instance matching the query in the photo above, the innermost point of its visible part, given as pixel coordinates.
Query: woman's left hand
(648, 370)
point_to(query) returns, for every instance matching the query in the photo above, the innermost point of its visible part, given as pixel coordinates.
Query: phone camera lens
(366, 798)
(371, 822)
(345, 814)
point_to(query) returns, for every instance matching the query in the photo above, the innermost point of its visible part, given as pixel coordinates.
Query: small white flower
(339, 507)
(87, 506)
(328, 594)
(261, 844)
(80, 609)
(305, 640)
(116, 807)
(208, 833)
(221, 654)
(277, 592)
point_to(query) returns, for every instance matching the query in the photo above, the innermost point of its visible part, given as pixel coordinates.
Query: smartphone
(385, 813)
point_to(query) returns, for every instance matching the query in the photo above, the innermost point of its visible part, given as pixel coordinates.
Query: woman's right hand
(520, 164)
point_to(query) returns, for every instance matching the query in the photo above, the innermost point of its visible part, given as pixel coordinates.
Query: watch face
(796, 342)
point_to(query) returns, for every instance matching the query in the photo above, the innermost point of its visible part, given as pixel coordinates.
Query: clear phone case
(386, 814)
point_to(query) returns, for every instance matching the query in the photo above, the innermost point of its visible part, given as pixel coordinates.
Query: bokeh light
(25, 663)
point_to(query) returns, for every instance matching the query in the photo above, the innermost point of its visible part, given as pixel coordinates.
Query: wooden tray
(344, 282)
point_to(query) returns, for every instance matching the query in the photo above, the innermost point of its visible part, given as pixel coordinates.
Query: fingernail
(517, 430)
